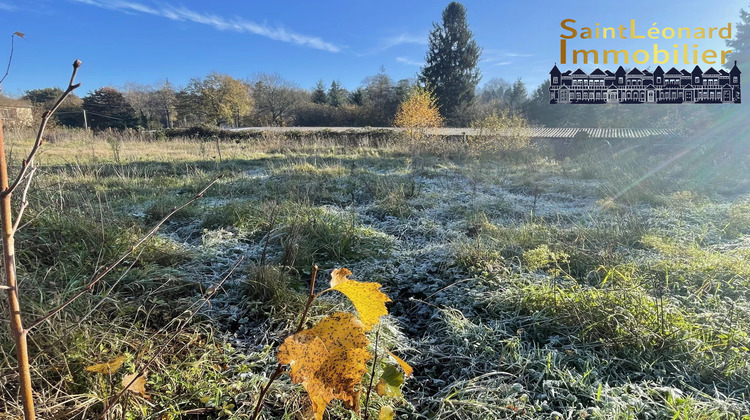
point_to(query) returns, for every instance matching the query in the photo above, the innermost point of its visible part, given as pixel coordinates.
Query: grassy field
(612, 283)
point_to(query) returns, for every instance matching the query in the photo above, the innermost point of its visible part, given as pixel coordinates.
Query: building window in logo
(643, 86)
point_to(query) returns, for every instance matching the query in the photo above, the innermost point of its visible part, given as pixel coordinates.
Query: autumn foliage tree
(222, 98)
(418, 112)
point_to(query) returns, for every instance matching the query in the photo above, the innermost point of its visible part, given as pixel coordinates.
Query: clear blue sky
(146, 41)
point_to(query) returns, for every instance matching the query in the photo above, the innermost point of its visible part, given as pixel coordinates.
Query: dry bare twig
(20, 335)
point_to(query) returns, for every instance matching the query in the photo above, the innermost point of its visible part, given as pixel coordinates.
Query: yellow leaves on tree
(366, 297)
(329, 360)
(109, 367)
(419, 110)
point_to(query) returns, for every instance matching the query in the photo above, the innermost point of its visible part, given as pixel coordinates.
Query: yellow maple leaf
(309, 353)
(137, 386)
(366, 297)
(408, 370)
(109, 367)
(329, 360)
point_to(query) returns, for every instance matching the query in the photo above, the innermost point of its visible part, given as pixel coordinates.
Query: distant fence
(384, 132)
(533, 132)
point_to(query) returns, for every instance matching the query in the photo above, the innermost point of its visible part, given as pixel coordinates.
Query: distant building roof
(673, 71)
(711, 71)
(635, 71)
(597, 72)
(579, 71)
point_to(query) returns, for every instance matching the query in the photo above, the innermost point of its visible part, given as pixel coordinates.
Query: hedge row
(374, 137)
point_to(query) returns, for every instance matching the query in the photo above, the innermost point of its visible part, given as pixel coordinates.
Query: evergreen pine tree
(739, 44)
(318, 95)
(357, 97)
(451, 70)
(336, 94)
(516, 96)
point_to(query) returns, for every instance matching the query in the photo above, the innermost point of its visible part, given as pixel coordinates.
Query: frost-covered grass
(604, 285)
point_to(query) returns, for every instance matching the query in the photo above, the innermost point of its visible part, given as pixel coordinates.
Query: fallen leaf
(367, 298)
(138, 386)
(329, 360)
(390, 382)
(386, 413)
(107, 367)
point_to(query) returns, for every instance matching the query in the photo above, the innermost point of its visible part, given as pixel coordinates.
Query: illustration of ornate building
(642, 86)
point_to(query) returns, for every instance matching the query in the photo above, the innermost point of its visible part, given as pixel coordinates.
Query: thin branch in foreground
(372, 374)
(205, 300)
(310, 298)
(10, 56)
(112, 266)
(29, 161)
(20, 336)
(280, 368)
(24, 200)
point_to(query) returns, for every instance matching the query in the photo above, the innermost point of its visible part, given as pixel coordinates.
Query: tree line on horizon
(265, 100)
(450, 73)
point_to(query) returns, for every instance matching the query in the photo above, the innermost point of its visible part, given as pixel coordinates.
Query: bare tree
(166, 101)
(138, 96)
(275, 97)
